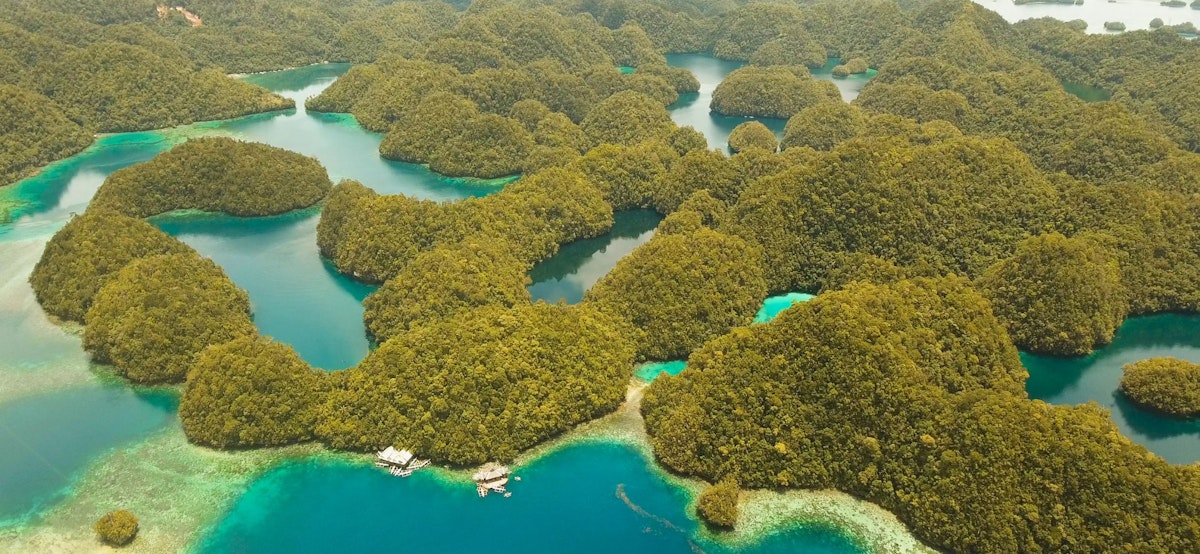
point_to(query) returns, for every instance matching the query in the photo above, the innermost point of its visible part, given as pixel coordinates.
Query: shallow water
(48, 438)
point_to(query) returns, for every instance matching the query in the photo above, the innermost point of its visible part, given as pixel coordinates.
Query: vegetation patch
(1165, 385)
(216, 175)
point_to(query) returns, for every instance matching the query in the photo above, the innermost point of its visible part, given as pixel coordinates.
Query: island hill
(963, 206)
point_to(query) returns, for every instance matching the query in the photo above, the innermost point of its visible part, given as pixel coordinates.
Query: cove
(568, 274)
(48, 438)
(589, 497)
(1087, 93)
(1094, 378)
(297, 296)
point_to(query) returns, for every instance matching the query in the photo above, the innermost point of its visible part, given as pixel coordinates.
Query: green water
(47, 438)
(1096, 377)
(578, 265)
(583, 498)
(1087, 93)
(648, 372)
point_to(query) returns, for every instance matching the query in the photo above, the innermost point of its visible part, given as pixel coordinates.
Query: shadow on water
(577, 266)
(1096, 377)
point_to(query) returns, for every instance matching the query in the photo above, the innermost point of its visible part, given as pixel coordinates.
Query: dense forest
(1165, 385)
(964, 205)
(216, 175)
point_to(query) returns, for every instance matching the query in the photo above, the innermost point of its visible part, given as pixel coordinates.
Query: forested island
(964, 205)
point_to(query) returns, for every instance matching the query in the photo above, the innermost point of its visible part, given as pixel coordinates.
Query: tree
(775, 91)
(627, 118)
(679, 290)
(86, 252)
(117, 528)
(216, 175)
(249, 392)
(752, 134)
(718, 504)
(1059, 295)
(154, 315)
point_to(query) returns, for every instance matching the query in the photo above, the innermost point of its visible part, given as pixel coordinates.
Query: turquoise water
(47, 438)
(771, 308)
(583, 498)
(297, 296)
(648, 372)
(775, 304)
(578, 265)
(693, 108)
(1095, 378)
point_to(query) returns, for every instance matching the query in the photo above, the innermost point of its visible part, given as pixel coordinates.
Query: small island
(1114, 26)
(1167, 386)
(216, 175)
(117, 528)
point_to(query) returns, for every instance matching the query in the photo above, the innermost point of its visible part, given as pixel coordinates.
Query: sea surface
(59, 414)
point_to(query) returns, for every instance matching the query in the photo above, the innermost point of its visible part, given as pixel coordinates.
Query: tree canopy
(482, 385)
(154, 315)
(84, 254)
(679, 290)
(216, 175)
(250, 391)
(1165, 385)
(1059, 295)
(775, 91)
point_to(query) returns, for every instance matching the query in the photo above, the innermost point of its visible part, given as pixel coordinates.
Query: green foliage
(746, 29)
(373, 237)
(862, 267)
(775, 91)
(627, 118)
(904, 395)
(35, 133)
(624, 174)
(679, 290)
(793, 47)
(216, 175)
(824, 126)
(687, 139)
(250, 391)
(443, 282)
(421, 132)
(718, 504)
(699, 170)
(154, 315)
(482, 385)
(752, 134)
(86, 252)
(116, 528)
(488, 146)
(958, 205)
(852, 67)
(1165, 385)
(1058, 295)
